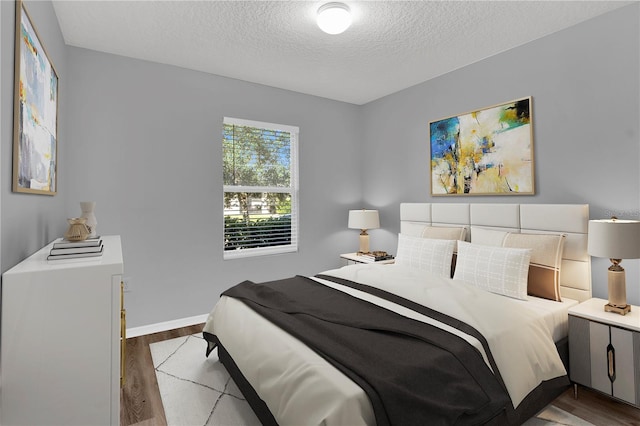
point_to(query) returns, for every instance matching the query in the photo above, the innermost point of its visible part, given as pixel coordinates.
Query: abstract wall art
(484, 152)
(35, 123)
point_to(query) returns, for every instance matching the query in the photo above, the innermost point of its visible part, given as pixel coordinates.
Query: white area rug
(198, 391)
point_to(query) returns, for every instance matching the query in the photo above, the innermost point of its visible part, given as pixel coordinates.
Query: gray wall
(584, 83)
(30, 221)
(147, 147)
(143, 141)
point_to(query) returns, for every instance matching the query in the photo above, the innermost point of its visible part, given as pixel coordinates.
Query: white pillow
(426, 254)
(487, 237)
(496, 269)
(545, 262)
(445, 233)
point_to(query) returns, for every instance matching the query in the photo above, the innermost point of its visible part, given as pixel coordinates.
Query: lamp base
(618, 310)
(617, 291)
(364, 242)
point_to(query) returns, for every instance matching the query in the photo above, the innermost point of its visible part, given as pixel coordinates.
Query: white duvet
(300, 387)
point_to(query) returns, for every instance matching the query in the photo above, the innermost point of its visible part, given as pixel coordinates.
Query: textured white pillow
(426, 254)
(444, 232)
(495, 269)
(545, 262)
(487, 237)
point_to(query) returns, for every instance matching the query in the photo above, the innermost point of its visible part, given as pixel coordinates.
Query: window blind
(260, 184)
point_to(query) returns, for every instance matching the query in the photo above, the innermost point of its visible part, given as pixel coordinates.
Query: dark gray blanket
(413, 373)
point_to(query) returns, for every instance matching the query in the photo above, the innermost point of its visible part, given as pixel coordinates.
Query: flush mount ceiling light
(334, 18)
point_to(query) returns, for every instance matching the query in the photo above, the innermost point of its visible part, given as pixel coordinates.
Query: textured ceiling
(390, 46)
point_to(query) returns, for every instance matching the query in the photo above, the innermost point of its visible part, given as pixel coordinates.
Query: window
(260, 188)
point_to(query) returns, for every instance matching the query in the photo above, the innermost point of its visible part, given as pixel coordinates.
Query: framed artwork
(35, 113)
(484, 152)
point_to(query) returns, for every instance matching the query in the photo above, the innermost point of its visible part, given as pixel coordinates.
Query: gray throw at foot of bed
(412, 372)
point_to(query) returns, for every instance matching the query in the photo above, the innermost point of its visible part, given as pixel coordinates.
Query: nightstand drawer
(579, 351)
(612, 361)
(625, 385)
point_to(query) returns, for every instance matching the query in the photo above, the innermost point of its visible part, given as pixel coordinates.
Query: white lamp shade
(614, 238)
(364, 219)
(334, 18)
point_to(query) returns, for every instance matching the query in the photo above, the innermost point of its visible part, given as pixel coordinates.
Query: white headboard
(569, 219)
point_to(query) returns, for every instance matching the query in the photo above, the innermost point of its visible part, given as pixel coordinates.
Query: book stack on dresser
(64, 249)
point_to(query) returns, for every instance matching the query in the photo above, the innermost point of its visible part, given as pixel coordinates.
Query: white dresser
(62, 323)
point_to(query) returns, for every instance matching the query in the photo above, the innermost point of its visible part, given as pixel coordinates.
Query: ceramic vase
(88, 208)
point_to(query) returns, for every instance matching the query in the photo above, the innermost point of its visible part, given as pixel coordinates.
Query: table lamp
(616, 239)
(363, 220)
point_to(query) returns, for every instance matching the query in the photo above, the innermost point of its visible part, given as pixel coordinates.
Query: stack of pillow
(507, 263)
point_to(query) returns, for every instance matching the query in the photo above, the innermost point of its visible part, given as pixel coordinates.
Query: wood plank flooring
(141, 404)
(597, 408)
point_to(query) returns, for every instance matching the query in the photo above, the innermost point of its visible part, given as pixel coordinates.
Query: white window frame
(293, 190)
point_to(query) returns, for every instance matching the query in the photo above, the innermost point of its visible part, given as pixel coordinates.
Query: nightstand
(353, 258)
(604, 350)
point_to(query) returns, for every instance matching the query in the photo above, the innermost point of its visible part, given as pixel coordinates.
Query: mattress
(299, 387)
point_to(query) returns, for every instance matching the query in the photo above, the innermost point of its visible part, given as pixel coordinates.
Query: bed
(508, 353)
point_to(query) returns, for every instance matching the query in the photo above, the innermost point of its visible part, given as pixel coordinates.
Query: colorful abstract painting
(484, 152)
(36, 112)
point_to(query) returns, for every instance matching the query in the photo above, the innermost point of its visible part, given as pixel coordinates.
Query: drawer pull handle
(611, 363)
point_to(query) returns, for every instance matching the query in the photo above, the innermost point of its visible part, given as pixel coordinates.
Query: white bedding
(555, 314)
(299, 387)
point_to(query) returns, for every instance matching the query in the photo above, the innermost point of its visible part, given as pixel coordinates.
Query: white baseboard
(167, 325)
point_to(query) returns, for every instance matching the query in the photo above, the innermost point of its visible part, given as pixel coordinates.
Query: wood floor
(141, 404)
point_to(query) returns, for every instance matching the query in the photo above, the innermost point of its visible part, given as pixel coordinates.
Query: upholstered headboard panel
(569, 219)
